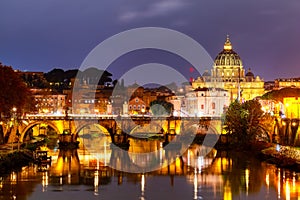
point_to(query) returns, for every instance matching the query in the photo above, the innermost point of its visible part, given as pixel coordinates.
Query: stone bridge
(112, 125)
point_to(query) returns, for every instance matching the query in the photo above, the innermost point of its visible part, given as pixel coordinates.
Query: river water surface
(83, 175)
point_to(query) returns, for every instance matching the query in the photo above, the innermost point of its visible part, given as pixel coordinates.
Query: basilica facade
(229, 74)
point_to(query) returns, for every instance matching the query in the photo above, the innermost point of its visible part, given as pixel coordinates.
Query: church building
(228, 73)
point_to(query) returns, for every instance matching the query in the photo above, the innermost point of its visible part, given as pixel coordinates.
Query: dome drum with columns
(228, 73)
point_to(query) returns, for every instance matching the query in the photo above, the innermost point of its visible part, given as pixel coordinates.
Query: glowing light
(175, 113)
(96, 179)
(45, 181)
(283, 123)
(143, 184)
(69, 178)
(278, 184)
(188, 157)
(195, 186)
(227, 191)
(178, 162)
(294, 181)
(13, 177)
(268, 180)
(45, 110)
(287, 190)
(277, 147)
(247, 180)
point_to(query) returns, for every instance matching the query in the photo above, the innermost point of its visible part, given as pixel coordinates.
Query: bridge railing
(105, 116)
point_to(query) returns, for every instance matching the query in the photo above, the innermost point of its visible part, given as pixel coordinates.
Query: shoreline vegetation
(15, 161)
(281, 156)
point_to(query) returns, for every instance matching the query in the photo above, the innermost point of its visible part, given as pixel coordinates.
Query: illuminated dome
(249, 73)
(228, 57)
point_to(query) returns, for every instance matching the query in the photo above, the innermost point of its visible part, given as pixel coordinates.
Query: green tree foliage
(35, 81)
(95, 76)
(246, 121)
(280, 94)
(55, 75)
(60, 79)
(13, 93)
(161, 107)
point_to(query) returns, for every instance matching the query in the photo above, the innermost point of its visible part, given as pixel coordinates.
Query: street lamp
(143, 111)
(14, 109)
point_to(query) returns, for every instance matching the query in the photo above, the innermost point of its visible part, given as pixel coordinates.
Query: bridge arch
(33, 124)
(210, 128)
(152, 125)
(99, 126)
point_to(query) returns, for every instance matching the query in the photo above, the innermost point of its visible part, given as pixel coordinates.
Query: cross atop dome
(227, 45)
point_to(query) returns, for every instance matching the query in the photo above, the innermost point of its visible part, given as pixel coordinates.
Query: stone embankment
(282, 156)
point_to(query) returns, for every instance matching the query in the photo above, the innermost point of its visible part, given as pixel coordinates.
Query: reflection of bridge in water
(236, 176)
(93, 168)
(80, 167)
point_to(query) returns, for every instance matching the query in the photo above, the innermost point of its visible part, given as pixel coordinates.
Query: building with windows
(50, 103)
(206, 101)
(286, 82)
(228, 73)
(136, 106)
(292, 107)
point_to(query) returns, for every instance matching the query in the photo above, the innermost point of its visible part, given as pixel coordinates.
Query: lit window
(213, 105)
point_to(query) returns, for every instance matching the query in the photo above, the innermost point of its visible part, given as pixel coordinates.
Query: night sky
(41, 35)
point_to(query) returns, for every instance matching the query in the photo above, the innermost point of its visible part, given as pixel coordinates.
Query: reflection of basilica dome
(228, 57)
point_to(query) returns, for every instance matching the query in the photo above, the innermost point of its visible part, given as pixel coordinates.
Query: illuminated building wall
(136, 106)
(228, 73)
(50, 103)
(289, 82)
(292, 107)
(207, 101)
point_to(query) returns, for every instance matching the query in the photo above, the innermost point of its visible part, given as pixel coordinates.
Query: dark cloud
(40, 35)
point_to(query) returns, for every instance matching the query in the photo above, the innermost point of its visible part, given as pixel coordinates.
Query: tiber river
(85, 174)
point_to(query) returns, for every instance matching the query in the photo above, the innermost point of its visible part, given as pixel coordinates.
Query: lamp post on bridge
(15, 123)
(143, 112)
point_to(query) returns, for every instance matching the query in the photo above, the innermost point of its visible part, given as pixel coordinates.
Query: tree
(13, 93)
(160, 107)
(278, 95)
(246, 121)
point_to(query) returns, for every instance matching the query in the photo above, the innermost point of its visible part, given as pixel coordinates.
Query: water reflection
(80, 174)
